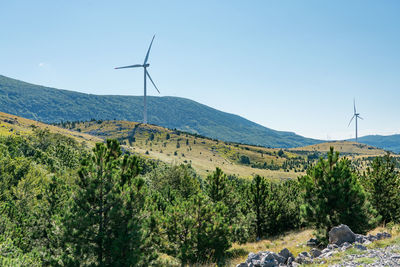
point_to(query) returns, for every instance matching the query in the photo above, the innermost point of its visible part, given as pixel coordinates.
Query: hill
(15, 125)
(53, 105)
(389, 142)
(344, 147)
(204, 154)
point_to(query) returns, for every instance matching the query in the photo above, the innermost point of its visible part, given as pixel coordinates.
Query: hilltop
(53, 105)
(344, 147)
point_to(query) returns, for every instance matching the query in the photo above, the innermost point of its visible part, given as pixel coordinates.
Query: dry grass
(14, 125)
(295, 241)
(344, 147)
(202, 153)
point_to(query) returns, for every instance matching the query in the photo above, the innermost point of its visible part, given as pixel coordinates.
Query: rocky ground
(345, 249)
(388, 256)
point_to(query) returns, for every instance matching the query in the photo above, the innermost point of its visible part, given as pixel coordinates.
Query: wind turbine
(357, 116)
(145, 65)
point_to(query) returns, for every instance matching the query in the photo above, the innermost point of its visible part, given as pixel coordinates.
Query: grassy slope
(14, 125)
(202, 153)
(344, 147)
(53, 105)
(205, 154)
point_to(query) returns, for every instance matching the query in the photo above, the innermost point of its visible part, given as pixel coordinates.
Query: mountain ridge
(54, 105)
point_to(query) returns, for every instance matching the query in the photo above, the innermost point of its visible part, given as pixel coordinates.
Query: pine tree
(333, 195)
(104, 225)
(257, 195)
(197, 231)
(217, 185)
(382, 181)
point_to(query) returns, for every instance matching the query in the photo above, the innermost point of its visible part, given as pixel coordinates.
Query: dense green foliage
(62, 205)
(105, 223)
(334, 195)
(53, 105)
(382, 180)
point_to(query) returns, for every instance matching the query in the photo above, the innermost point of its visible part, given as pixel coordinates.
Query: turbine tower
(145, 65)
(357, 116)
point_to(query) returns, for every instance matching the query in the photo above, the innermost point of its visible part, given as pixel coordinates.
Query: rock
(255, 263)
(269, 260)
(252, 256)
(360, 247)
(360, 238)
(371, 238)
(383, 235)
(285, 253)
(332, 246)
(313, 242)
(346, 246)
(303, 258)
(367, 242)
(340, 234)
(305, 254)
(325, 250)
(379, 236)
(315, 252)
(278, 258)
(387, 235)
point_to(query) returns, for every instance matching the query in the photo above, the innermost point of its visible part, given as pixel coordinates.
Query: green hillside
(54, 105)
(389, 142)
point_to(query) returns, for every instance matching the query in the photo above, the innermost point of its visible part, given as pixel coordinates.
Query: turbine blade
(354, 103)
(148, 51)
(351, 120)
(131, 66)
(360, 117)
(148, 75)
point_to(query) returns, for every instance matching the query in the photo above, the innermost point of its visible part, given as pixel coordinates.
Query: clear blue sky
(288, 65)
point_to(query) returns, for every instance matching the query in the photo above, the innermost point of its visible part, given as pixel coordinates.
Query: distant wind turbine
(357, 116)
(146, 74)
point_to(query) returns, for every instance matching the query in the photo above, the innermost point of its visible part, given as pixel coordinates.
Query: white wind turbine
(146, 74)
(357, 116)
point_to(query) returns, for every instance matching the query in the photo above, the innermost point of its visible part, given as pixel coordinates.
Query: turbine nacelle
(146, 65)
